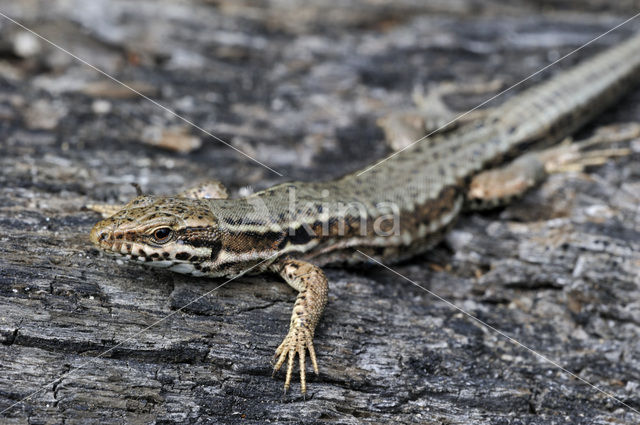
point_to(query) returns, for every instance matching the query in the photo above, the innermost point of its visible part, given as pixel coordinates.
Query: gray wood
(299, 87)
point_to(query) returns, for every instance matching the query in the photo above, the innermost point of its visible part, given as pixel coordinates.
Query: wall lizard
(393, 211)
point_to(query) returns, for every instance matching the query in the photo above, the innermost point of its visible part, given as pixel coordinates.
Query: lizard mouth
(115, 243)
(111, 241)
(120, 244)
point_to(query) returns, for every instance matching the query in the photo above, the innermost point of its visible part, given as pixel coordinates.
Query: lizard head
(176, 233)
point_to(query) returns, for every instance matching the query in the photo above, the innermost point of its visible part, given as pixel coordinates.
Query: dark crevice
(11, 338)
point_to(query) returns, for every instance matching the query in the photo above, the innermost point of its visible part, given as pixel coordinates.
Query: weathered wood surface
(299, 87)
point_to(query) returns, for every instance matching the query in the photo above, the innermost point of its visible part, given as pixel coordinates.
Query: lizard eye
(162, 234)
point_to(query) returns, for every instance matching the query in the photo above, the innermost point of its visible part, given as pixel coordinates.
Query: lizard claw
(297, 341)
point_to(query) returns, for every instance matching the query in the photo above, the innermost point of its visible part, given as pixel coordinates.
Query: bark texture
(299, 87)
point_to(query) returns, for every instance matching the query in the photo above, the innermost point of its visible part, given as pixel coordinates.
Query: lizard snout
(101, 235)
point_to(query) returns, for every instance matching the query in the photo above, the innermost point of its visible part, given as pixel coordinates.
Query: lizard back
(422, 187)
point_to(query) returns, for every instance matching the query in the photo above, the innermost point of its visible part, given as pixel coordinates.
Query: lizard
(390, 211)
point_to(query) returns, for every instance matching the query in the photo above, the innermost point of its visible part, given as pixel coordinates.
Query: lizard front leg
(212, 189)
(311, 284)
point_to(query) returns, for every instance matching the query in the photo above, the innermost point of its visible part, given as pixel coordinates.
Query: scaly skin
(392, 211)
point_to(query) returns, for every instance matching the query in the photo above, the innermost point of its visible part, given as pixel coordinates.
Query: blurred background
(296, 85)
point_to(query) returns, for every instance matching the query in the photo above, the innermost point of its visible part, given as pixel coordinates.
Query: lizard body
(390, 211)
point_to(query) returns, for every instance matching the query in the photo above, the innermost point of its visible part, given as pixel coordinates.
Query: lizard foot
(297, 341)
(575, 156)
(496, 186)
(312, 288)
(431, 113)
(438, 116)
